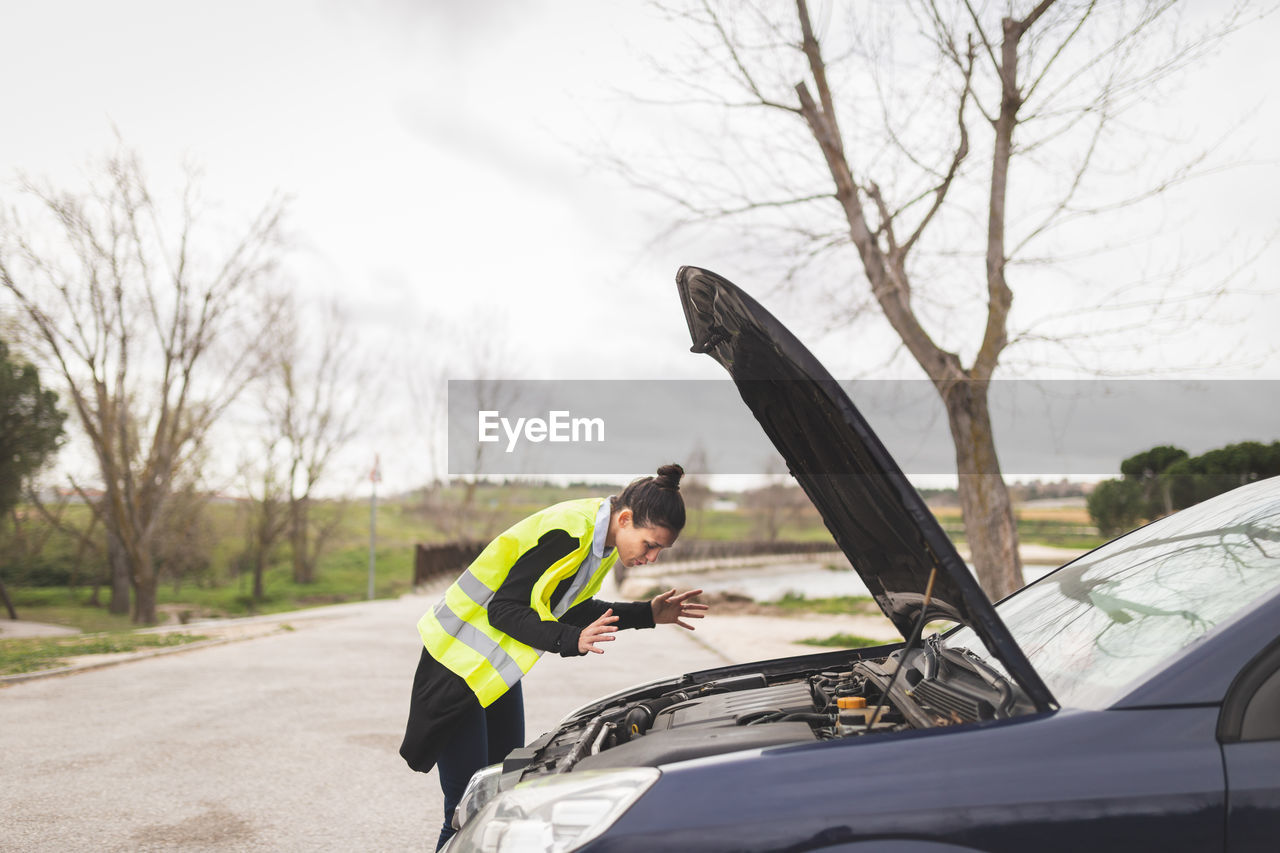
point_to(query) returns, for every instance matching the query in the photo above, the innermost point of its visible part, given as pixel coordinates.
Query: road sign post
(374, 477)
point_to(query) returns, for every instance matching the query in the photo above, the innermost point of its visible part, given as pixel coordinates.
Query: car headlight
(482, 788)
(553, 815)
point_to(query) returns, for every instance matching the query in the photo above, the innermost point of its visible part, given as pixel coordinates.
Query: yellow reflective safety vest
(457, 632)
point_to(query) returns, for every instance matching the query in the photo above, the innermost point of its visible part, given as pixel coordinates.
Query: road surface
(285, 742)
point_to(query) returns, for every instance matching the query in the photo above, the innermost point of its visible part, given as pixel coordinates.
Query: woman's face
(639, 545)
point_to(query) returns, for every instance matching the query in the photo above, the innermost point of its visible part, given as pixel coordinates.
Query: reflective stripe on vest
(474, 588)
(504, 663)
(456, 631)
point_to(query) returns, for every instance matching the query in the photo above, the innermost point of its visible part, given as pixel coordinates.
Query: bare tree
(426, 381)
(695, 488)
(776, 503)
(311, 394)
(886, 167)
(135, 306)
(267, 515)
(488, 361)
(186, 539)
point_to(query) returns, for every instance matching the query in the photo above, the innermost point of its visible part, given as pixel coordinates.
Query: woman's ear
(624, 518)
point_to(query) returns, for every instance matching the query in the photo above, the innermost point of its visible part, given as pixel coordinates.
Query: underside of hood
(875, 515)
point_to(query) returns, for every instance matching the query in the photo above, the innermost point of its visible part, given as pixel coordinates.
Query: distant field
(50, 588)
(1064, 514)
(1066, 527)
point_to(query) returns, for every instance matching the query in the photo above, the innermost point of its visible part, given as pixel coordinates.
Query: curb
(128, 657)
(291, 617)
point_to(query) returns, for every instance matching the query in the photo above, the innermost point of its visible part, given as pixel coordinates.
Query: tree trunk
(120, 582)
(259, 566)
(989, 524)
(302, 572)
(8, 605)
(144, 592)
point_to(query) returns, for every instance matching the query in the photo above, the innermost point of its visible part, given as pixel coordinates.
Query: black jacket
(440, 696)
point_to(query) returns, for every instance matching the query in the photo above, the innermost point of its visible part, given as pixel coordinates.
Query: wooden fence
(431, 561)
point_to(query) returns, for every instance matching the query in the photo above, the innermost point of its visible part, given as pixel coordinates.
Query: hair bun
(669, 477)
(655, 501)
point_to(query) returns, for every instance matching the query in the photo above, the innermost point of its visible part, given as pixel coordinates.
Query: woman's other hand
(599, 631)
(671, 607)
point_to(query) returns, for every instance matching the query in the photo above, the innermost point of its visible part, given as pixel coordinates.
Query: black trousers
(482, 736)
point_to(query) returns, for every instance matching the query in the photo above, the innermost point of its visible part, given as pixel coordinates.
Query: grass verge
(797, 602)
(32, 654)
(842, 641)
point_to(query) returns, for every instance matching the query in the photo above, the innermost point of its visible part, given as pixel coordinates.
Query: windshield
(1097, 626)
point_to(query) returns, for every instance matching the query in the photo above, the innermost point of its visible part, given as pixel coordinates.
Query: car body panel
(1253, 783)
(1055, 782)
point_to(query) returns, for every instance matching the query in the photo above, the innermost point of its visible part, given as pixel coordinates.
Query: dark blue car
(1128, 701)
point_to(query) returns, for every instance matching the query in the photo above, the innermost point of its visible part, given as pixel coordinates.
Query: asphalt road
(286, 742)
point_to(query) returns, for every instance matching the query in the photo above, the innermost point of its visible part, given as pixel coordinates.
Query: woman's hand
(669, 607)
(599, 631)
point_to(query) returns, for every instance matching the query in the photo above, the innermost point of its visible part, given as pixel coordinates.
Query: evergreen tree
(30, 431)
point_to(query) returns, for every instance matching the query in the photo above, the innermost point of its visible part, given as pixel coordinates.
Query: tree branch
(1030, 20)
(962, 151)
(889, 283)
(982, 35)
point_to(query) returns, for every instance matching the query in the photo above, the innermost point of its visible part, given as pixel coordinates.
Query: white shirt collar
(602, 527)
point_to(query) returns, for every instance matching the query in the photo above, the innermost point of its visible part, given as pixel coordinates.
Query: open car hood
(876, 516)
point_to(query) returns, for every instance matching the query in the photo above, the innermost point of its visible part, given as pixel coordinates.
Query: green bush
(1116, 506)
(38, 571)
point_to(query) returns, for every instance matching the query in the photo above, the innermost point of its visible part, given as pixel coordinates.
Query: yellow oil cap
(848, 703)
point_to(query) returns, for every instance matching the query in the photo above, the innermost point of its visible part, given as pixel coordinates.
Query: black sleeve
(631, 614)
(510, 612)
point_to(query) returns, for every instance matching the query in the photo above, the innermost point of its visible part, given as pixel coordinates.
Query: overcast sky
(430, 151)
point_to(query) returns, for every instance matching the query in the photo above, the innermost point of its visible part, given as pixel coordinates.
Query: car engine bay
(718, 712)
